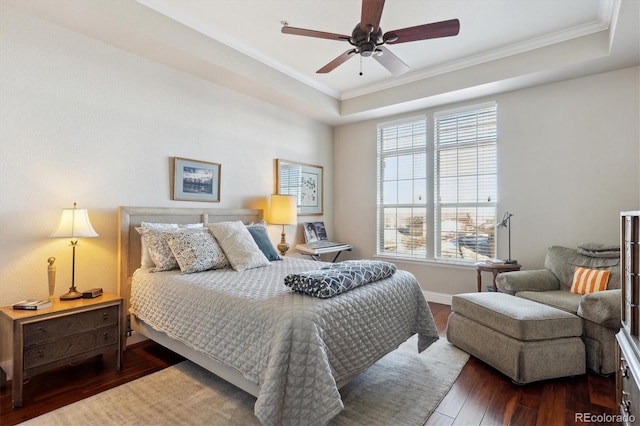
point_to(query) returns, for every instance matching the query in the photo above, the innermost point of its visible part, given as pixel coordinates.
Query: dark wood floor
(480, 395)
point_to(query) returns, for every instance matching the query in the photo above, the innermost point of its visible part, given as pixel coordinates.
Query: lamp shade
(283, 209)
(74, 223)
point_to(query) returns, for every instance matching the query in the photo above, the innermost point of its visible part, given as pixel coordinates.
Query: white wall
(84, 122)
(568, 158)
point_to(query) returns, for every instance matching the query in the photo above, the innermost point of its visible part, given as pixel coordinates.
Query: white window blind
(465, 183)
(402, 188)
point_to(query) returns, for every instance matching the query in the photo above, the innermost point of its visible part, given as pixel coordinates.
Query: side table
(495, 269)
(67, 332)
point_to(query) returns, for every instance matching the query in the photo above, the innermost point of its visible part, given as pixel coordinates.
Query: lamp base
(511, 261)
(283, 246)
(72, 294)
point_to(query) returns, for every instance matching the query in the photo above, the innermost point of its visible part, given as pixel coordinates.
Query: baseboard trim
(441, 298)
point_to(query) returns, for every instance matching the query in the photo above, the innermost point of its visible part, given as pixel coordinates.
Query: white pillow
(238, 245)
(145, 257)
(196, 251)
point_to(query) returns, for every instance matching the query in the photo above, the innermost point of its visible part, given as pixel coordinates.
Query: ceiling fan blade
(371, 13)
(423, 32)
(336, 62)
(391, 62)
(312, 33)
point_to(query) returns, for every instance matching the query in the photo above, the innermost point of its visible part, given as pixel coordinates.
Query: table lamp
(74, 224)
(506, 223)
(283, 211)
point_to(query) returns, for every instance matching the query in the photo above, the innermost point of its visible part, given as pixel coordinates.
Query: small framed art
(195, 180)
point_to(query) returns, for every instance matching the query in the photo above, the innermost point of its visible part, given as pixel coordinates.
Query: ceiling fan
(368, 40)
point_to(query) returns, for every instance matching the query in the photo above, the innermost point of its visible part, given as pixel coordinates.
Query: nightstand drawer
(76, 344)
(56, 328)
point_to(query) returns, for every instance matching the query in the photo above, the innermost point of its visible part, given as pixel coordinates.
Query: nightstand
(67, 332)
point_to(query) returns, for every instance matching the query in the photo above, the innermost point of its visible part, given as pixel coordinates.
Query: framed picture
(314, 231)
(195, 180)
(305, 181)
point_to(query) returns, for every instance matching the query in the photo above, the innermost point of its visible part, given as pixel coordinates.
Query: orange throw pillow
(589, 280)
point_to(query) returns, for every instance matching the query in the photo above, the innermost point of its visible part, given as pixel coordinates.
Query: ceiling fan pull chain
(360, 64)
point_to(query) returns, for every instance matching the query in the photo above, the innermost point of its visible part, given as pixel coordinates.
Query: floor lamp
(506, 223)
(74, 224)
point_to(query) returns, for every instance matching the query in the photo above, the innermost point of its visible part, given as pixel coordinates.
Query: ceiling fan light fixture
(367, 49)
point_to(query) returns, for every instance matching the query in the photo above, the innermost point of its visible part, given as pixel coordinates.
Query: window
(402, 188)
(437, 199)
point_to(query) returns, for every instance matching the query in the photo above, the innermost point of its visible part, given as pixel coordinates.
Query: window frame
(433, 225)
(380, 180)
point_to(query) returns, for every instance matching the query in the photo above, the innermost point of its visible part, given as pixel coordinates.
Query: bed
(291, 351)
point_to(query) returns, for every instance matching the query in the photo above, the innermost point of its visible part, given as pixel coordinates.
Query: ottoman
(523, 339)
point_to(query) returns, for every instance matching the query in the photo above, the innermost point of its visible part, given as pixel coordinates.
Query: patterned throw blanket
(337, 278)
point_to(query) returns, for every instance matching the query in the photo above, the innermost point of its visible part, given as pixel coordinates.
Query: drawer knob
(105, 316)
(624, 369)
(39, 354)
(625, 403)
(105, 336)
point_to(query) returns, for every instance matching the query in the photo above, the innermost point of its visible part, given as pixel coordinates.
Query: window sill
(428, 262)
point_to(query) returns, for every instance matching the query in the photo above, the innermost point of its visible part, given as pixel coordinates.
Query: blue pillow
(260, 236)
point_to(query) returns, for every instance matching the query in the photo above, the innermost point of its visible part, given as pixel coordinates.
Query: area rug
(403, 388)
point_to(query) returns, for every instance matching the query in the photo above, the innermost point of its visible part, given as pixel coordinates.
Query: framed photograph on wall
(305, 181)
(195, 180)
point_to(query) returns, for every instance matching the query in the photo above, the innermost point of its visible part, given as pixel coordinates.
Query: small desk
(314, 253)
(495, 269)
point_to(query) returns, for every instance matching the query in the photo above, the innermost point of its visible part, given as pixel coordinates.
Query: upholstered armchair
(600, 311)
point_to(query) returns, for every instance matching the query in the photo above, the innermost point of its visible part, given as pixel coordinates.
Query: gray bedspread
(295, 347)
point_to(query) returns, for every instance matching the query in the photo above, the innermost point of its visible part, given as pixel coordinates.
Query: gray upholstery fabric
(601, 316)
(600, 311)
(593, 351)
(600, 342)
(560, 299)
(522, 361)
(599, 247)
(519, 318)
(536, 280)
(562, 261)
(602, 307)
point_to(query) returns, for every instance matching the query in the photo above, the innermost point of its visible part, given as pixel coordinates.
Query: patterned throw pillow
(589, 280)
(196, 251)
(145, 255)
(238, 245)
(159, 251)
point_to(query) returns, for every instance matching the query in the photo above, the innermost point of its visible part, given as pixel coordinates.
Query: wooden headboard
(129, 244)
